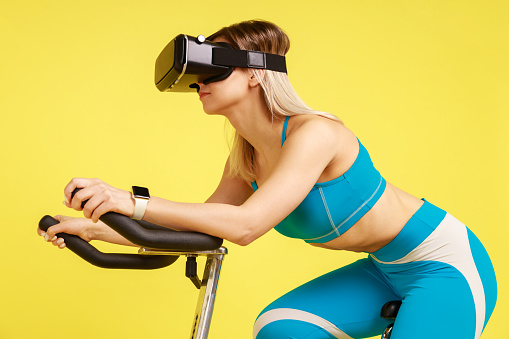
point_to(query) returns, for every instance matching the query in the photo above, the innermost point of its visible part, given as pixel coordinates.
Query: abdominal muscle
(379, 225)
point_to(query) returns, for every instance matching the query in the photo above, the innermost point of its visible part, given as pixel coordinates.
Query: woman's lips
(203, 94)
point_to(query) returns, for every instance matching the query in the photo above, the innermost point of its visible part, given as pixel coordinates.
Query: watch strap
(140, 206)
(140, 202)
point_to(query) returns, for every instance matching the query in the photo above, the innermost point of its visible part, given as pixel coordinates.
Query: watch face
(140, 192)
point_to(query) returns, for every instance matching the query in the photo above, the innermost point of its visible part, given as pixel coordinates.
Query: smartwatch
(141, 198)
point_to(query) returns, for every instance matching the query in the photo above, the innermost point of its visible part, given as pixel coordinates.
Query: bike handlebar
(141, 233)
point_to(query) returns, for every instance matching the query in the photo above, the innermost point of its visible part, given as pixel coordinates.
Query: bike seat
(390, 309)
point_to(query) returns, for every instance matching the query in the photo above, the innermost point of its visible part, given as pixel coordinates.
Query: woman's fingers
(71, 186)
(49, 237)
(50, 234)
(82, 196)
(78, 183)
(92, 203)
(99, 211)
(69, 225)
(83, 228)
(46, 237)
(99, 198)
(60, 242)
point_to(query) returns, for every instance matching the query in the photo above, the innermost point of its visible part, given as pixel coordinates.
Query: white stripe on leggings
(293, 314)
(449, 244)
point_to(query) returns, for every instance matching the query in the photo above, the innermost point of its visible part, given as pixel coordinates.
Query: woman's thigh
(447, 283)
(344, 303)
(437, 307)
(452, 296)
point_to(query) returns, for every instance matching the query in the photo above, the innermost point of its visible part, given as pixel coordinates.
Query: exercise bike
(160, 247)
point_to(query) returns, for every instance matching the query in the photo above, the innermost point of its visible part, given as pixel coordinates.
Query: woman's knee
(293, 323)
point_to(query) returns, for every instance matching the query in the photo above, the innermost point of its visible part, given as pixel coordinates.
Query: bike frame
(208, 285)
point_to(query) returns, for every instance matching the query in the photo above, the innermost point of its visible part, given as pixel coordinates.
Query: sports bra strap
(283, 137)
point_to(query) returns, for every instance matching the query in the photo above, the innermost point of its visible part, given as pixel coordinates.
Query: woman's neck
(256, 124)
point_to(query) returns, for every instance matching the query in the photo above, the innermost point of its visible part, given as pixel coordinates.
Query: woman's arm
(306, 153)
(86, 229)
(229, 191)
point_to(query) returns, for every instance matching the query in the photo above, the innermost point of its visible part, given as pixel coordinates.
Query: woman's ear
(253, 80)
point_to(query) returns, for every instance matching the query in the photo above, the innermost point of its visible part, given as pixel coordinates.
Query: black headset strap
(248, 59)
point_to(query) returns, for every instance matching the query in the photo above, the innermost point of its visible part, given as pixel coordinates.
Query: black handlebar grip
(107, 260)
(149, 235)
(158, 237)
(139, 232)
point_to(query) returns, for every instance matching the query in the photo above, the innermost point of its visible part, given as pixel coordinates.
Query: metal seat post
(207, 285)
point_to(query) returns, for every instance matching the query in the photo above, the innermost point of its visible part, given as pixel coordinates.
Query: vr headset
(187, 60)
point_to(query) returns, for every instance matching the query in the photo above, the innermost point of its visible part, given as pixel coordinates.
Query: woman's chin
(211, 110)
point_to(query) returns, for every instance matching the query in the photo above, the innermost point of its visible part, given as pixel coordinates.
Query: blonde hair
(280, 97)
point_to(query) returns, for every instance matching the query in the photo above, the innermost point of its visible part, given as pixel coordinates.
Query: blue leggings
(435, 265)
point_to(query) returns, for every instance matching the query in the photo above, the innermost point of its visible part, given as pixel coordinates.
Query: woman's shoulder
(340, 142)
(318, 126)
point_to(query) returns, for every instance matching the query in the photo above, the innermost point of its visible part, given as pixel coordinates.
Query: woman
(306, 174)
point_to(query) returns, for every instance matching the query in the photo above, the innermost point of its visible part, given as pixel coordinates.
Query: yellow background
(423, 84)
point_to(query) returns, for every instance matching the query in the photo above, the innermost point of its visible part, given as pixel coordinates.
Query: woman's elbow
(242, 242)
(246, 234)
(244, 238)
(250, 227)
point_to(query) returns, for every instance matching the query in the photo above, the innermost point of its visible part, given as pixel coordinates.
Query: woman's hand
(101, 198)
(86, 229)
(81, 227)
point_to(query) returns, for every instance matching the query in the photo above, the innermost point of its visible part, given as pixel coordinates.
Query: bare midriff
(379, 225)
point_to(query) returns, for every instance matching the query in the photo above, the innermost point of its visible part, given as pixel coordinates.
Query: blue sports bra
(332, 207)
